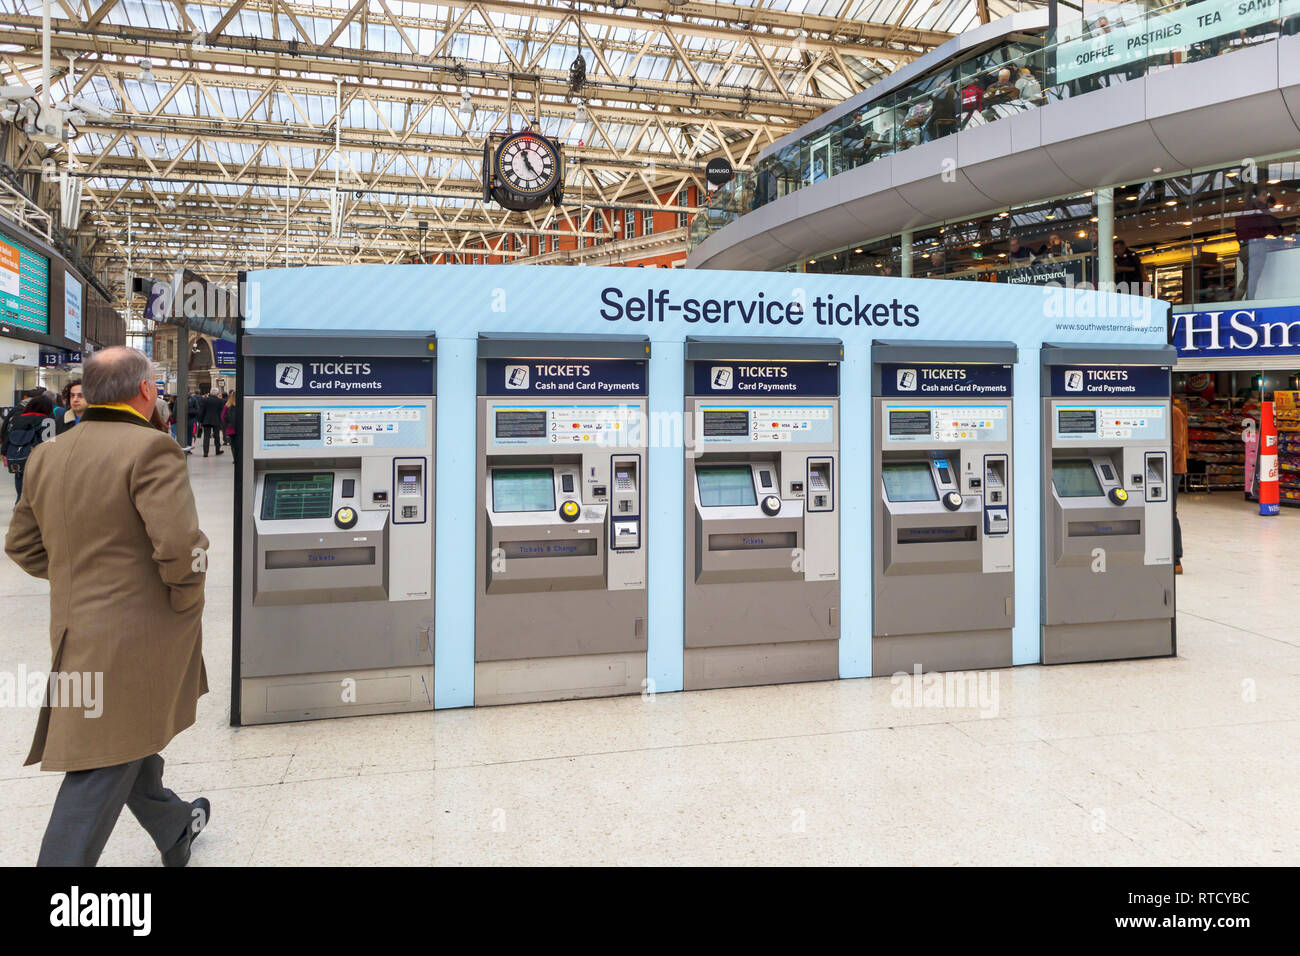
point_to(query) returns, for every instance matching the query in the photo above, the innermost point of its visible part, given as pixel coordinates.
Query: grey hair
(114, 375)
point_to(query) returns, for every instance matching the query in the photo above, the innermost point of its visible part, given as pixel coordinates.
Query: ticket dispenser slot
(561, 603)
(762, 519)
(942, 554)
(1108, 568)
(335, 543)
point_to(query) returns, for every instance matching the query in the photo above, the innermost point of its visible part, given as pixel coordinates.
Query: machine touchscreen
(909, 481)
(299, 495)
(532, 490)
(726, 487)
(1076, 479)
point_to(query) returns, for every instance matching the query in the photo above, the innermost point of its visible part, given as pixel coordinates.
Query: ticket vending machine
(334, 560)
(943, 531)
(762, 511)
(560, 610)
(1108, 576)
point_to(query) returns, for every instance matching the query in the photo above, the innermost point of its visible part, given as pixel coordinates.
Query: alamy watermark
(78, 690)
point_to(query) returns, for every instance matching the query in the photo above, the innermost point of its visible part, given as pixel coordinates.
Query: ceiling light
(1274, 182)
(581, 115)
(1130, 198)
(1157, 169)
(1171, 202)
(145, 76)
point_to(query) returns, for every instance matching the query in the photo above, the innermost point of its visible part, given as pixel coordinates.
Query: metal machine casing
(942, 554)
(762, 511)
(1108, 581)
(560, 606)
(335, 555)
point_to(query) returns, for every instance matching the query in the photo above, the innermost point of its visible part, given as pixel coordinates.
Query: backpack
(23, 437)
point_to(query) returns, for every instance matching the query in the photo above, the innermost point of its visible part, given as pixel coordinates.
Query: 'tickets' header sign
(765, 378)
(914, 380)
(591, 378)
(1110, 381)
(343, 376)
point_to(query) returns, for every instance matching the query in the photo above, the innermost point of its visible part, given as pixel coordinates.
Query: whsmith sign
(1230, 332)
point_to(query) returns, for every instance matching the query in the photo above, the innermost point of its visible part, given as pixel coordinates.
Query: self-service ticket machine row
(335, 596)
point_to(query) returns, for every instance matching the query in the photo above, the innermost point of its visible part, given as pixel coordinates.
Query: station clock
(521, 171)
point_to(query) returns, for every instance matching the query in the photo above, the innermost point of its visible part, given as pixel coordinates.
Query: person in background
(1128, 268)
(1030, 89)
(1055, 246)
(110, 521)
(230, 421)
(192, 417)
(1017, 253)
(1254, 224)
(32, 426)
(12, 412)
(76, 405)
(171, 414)
(1000, 91)
(1180, 473)
(160, 413)
(938, 263)
(210, 417)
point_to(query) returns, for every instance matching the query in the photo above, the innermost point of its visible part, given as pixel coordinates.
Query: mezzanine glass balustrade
(1123, 43)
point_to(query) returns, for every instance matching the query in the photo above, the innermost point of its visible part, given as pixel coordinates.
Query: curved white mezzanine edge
(1211, 113)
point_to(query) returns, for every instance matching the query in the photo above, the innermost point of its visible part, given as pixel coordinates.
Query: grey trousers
(90, 801)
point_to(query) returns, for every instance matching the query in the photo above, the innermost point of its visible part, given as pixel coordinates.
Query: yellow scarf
(122, 408)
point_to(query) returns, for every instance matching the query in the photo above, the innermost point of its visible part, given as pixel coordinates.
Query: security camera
(88, 107)
(12, 94)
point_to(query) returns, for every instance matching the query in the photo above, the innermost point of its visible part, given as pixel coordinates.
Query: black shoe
(179, 855)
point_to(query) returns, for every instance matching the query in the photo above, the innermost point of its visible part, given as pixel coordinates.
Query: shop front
(1232, 357)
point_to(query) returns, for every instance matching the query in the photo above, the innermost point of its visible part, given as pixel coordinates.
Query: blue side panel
(665, 529)
(1028, 488)
(855, 488)
(453, 662)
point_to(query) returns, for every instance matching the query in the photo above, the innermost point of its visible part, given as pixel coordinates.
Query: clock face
(527, 164)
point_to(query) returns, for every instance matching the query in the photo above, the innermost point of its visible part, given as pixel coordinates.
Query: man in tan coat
(108, 516)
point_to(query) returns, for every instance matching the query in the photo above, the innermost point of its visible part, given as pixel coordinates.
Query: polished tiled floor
(1187, 760)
